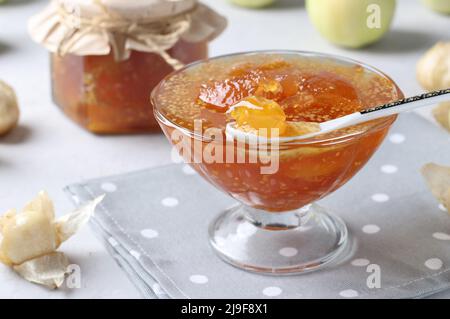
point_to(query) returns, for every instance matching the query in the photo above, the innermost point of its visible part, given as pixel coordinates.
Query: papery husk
(94, 27)
(442, 114)
(30, 233)
(438, 180)
(9, 108)
(70, 224)
(49, 270)
(433, 68)
(29, 240)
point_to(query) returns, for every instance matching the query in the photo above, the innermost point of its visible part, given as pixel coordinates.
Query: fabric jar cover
(95, 27)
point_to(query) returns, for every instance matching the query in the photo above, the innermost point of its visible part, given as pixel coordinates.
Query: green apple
(252, 3)
(351, 23)
(442, 6)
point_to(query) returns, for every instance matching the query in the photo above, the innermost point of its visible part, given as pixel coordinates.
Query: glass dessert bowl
(238, 119)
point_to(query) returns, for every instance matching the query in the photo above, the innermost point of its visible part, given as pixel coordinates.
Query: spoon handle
(395, 107)
(410, 103)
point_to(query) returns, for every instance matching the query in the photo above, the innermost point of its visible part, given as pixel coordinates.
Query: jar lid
(133, 10)
(97, 27)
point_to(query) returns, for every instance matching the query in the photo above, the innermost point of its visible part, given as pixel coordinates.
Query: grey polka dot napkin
(154, 223)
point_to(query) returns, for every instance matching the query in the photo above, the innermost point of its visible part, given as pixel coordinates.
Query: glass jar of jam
(107, 96)
(107, 56)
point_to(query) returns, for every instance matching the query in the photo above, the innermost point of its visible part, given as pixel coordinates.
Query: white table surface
(47, 151)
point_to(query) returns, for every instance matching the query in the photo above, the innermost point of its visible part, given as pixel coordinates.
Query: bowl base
(294, 242)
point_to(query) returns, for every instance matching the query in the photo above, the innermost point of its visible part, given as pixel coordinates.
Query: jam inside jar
(110, 97)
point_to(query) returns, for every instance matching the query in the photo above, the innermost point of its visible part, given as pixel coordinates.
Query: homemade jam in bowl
(239, 120)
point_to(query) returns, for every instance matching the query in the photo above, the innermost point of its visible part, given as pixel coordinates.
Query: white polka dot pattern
(441, 236)
(434, 263)
(389, 169)
(349, 293)
(272, 291)
(149, 233)
(198, 279)
(288, 251)
(360, 262)
(169, 202)
(397, 138)
(380, 198)
(371, 229)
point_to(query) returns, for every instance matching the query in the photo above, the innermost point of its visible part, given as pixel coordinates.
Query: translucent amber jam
(289, 88)
(106, 96)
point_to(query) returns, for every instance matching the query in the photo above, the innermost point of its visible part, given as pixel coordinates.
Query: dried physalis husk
(438, 179)
(49, 270)
(442, 114)
(433, 69)
(433, 73)
(9, 108)
(29, 239)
